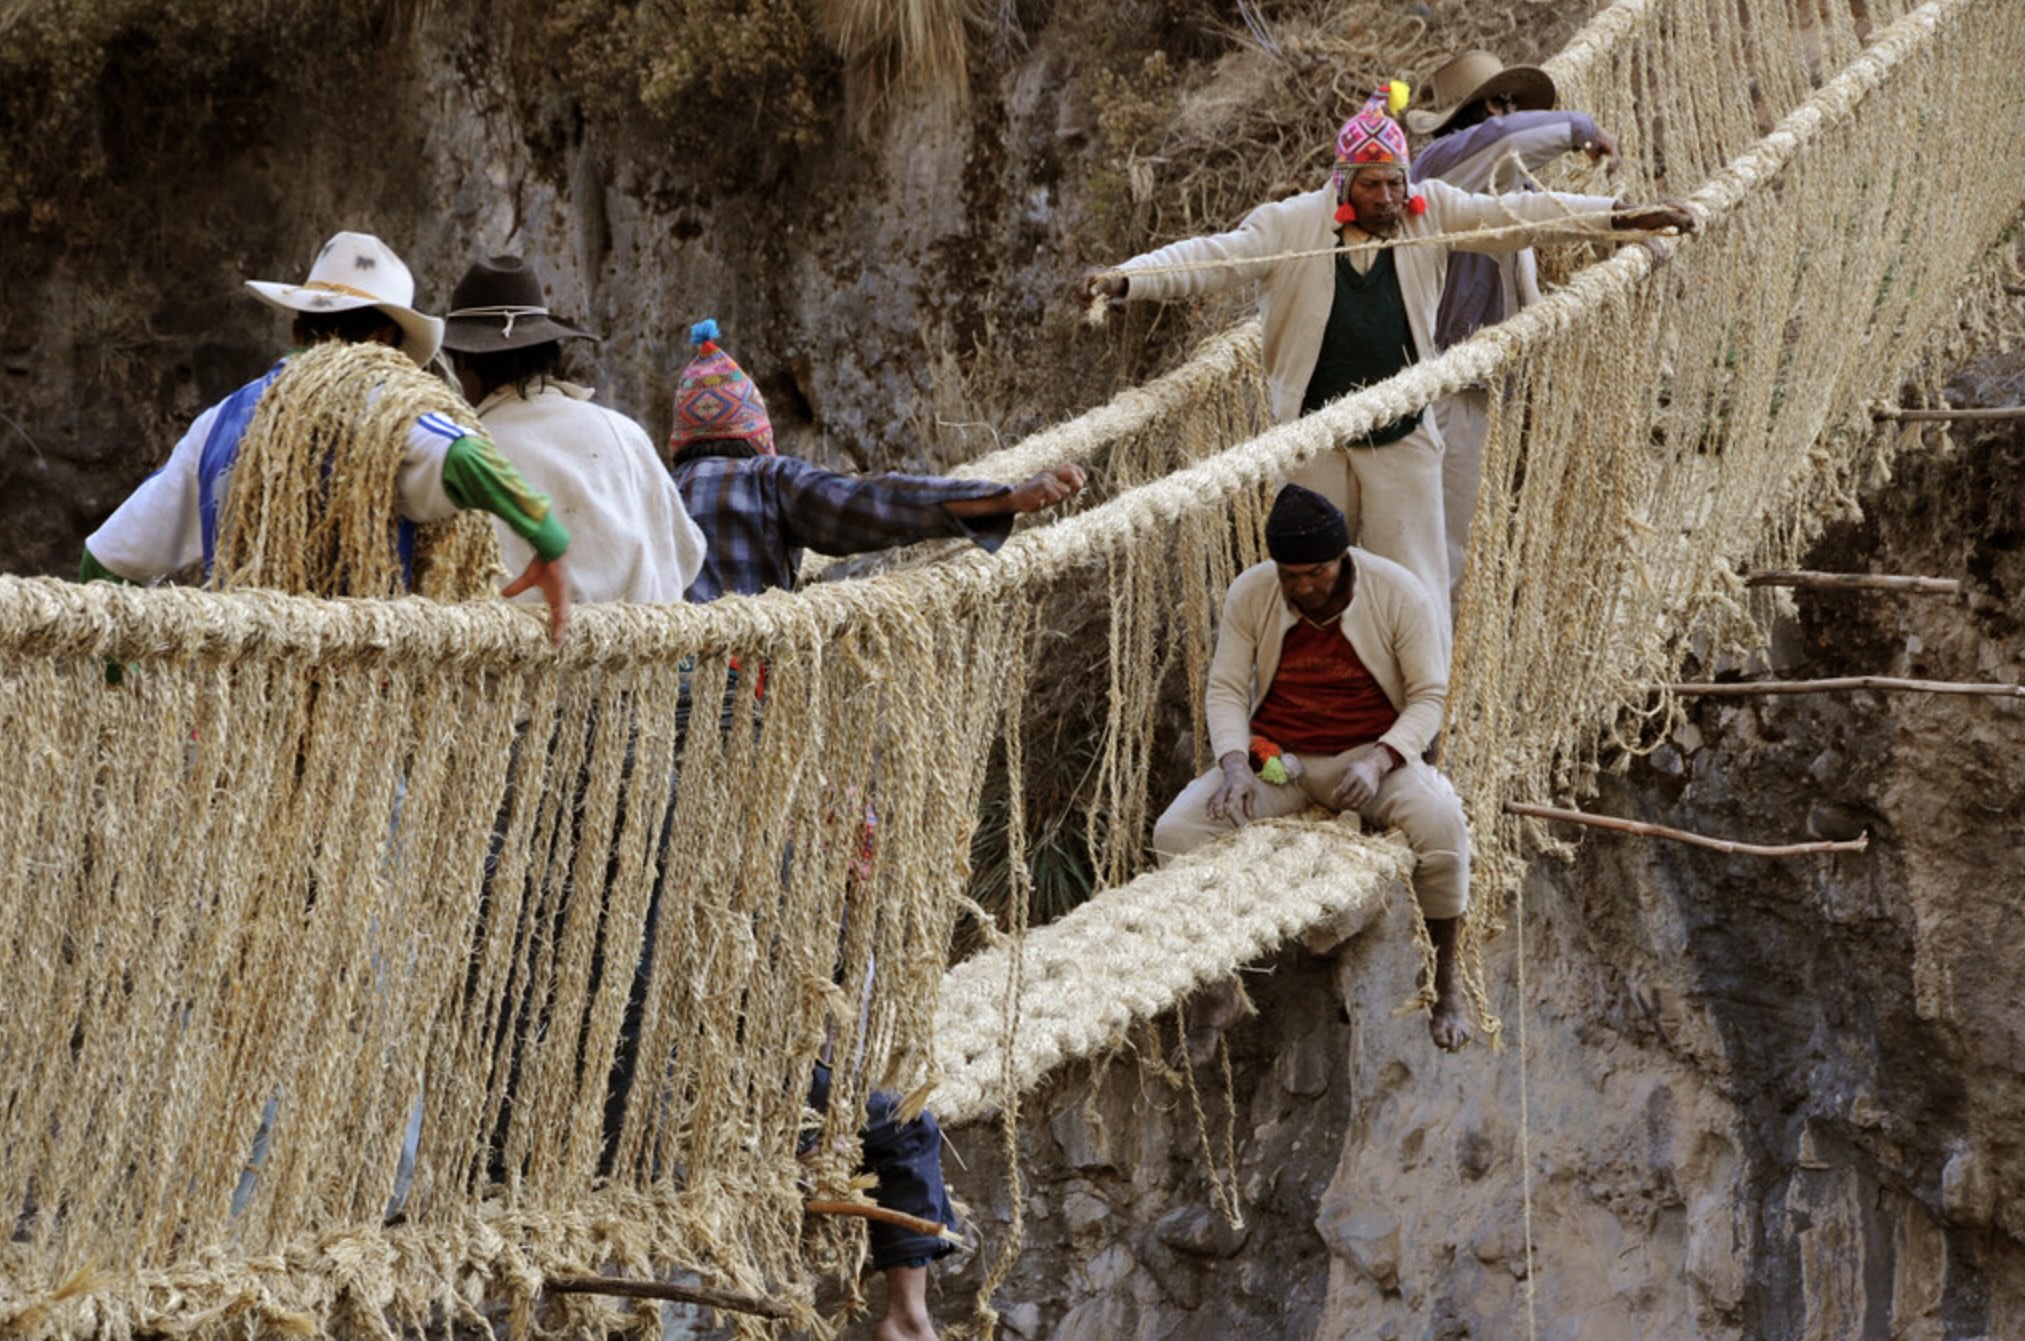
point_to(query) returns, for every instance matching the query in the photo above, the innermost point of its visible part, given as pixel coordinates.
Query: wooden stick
(1978, 413)
(661, 1289)
(866, 1211)
(2015, 290)
(1682, 835)
(1793, 577)
(1745, 688)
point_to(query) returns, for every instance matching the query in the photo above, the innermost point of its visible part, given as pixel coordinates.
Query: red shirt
(1322, 700)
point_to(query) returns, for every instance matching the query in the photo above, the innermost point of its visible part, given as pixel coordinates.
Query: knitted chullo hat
(715, 399)
(1305, 527)
(1372, 136)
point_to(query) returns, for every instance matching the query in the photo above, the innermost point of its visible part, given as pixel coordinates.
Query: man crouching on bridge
(1329, 664)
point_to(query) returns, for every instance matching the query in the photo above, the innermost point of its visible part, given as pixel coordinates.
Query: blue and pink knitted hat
(1373, 136)
(715, 399)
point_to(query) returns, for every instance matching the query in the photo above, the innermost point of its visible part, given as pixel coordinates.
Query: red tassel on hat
(1346, 213)
(1416, 205)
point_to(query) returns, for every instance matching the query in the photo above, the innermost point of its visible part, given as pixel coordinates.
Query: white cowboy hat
(1479, 74)
(358, 270)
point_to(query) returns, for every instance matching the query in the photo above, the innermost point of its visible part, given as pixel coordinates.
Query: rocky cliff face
(1773, 1100)
(849, 279)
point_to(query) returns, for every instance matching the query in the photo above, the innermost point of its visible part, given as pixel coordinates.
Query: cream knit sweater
(1389, 622)
(1294, 306)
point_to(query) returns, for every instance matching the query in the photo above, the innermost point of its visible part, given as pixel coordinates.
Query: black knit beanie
(1305, 527)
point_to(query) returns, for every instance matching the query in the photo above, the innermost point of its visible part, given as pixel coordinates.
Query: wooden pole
(661, 1289)
(1746, 688)
(866, 1211)
(1973, 413)
(1793, 577)
(1682, 835)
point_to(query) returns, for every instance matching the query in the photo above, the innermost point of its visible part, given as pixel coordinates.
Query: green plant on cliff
(711, 78)
(705, 70)
(759, 72)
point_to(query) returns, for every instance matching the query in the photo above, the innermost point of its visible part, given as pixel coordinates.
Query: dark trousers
(907, 1158)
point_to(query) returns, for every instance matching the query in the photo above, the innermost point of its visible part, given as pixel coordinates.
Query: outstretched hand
(1602, 150)
(1652, 218)
(1044, 490)
(1107, 284)
(547, 575)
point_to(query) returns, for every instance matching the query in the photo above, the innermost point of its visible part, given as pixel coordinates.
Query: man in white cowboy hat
(358, 291)
(1493, 125)
(634, 540)
(1335, 323)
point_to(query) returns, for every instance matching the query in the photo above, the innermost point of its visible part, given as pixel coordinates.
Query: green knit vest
(1367, 340)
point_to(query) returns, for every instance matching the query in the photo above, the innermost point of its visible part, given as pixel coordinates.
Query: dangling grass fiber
(314, 503)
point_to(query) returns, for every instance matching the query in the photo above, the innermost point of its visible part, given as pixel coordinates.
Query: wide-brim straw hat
(1472, 77)
(358, 270)
(499, 305)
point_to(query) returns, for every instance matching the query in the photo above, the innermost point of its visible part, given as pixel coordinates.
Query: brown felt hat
(498, 305)
(1473, 76)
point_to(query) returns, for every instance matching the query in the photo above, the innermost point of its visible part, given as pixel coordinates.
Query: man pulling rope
(1335, 323)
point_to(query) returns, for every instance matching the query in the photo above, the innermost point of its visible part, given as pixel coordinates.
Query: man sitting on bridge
(1332, 657)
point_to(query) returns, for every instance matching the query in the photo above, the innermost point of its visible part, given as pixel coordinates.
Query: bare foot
(1449, 1022)
(906, 1307)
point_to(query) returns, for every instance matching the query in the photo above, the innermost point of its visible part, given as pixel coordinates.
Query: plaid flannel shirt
(759, 513)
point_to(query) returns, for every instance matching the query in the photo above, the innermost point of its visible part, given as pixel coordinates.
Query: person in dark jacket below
(759, 511)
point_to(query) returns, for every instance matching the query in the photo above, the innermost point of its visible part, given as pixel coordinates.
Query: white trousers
(1391, 496)
(1463, 420)
(1412, 798)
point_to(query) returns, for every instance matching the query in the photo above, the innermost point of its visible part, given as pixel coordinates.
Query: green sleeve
(91, 570)
(475, 475)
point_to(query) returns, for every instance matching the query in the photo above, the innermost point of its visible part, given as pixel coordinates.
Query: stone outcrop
(1765, 1100)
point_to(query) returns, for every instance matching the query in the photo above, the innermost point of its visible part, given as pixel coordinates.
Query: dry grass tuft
(903, 45)
(1199, 152)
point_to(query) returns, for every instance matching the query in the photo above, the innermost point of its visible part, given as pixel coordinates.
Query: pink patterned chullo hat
(1372, 136)
(715, 399)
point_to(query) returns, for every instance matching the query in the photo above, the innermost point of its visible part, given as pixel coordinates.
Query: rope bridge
(314, 867)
